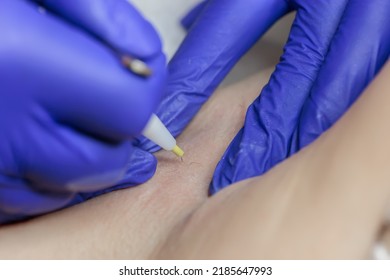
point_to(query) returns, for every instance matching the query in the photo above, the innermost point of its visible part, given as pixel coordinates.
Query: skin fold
(327, 201)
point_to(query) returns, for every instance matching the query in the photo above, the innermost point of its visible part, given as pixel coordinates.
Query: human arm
(171, 215)
(328, 201)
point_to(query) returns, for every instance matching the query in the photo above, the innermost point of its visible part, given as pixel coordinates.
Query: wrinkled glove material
(335, 48)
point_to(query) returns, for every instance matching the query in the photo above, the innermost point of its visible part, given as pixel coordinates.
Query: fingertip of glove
(141, 167)
(212, 189)
(132, 33)
(220, 179)
(118, 23)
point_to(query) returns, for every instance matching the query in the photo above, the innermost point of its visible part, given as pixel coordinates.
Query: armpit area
(135, 222)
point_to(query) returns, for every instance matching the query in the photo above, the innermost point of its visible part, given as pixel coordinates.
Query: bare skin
(327, 201)
(134, 223)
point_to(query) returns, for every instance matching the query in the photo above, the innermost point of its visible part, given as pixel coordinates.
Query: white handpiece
(156, 131)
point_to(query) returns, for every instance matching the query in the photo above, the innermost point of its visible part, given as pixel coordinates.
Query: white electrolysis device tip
(156, 131)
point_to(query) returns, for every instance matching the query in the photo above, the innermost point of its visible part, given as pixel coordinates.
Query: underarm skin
(327, 201)
(134, 223)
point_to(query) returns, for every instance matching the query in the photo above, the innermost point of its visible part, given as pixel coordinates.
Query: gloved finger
(272, 118)
(79, 81)
(188, 20)
(140, 168)
(115, 22)
(19, 201)
(359, 50)
(64, 160)
(225, 31)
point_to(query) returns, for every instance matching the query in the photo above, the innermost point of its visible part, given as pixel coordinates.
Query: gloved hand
(67, 106)
(334, 50)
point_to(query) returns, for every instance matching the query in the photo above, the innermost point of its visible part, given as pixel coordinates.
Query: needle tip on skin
(178, 151)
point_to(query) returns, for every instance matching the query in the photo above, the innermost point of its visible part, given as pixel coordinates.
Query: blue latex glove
(192, 15)
(334, 50)
(67, 106)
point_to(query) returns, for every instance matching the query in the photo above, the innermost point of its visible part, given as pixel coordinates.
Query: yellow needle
(178, 151)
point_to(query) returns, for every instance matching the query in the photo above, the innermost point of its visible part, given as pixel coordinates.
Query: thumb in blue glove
(68, 108)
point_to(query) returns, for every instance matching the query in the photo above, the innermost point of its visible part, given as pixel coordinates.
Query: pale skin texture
(327, 201)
